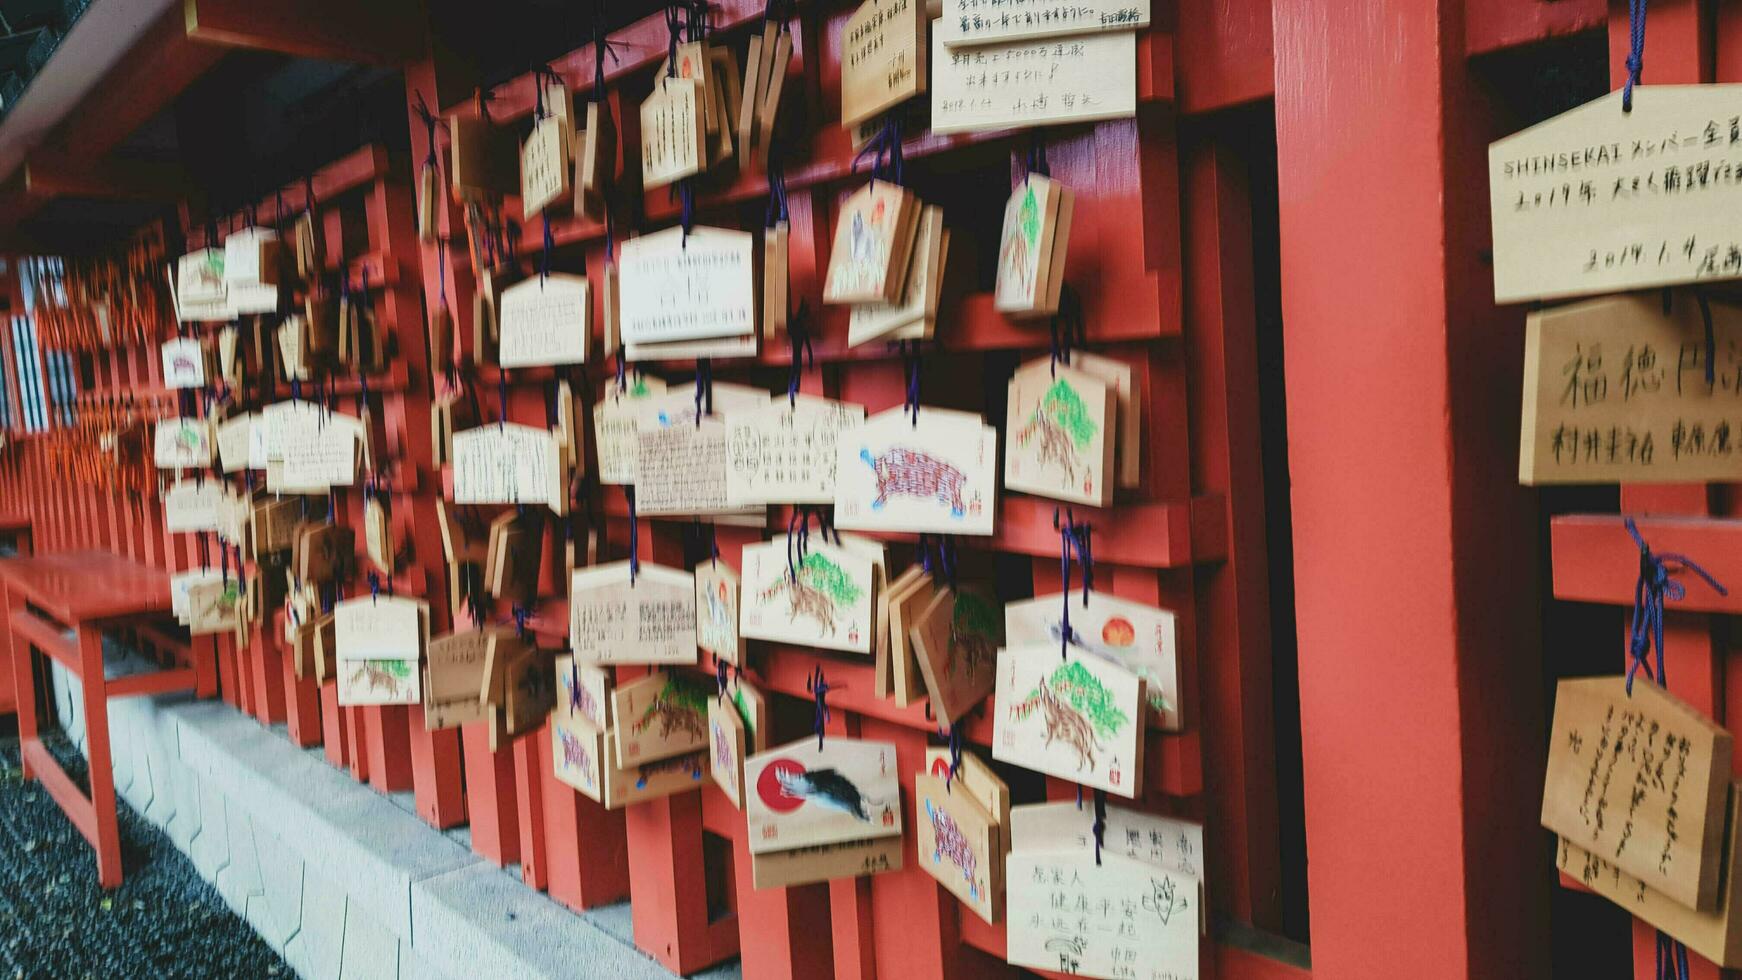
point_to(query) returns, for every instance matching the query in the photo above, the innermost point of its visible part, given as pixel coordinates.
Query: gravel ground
(164, 920)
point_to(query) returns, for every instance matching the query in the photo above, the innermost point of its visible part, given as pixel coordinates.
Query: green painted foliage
(975, 615)
(1087, 694)
(744, 712)
(1063, 405)
(1028, 217)
(684, 694)
(822, 574)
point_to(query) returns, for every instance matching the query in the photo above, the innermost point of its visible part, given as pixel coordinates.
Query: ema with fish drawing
(1077, 708)
(802, 794)
(819, 590)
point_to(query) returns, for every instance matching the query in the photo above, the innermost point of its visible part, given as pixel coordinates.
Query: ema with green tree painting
(822, 599)
(1075, 717)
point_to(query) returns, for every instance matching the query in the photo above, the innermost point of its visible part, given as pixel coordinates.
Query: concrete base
(344, 882)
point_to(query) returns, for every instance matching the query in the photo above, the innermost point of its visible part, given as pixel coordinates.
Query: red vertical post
(529, 787)
(585, 846)
(1396, 435)
(490, 797)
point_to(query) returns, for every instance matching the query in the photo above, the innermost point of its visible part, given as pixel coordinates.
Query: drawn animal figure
(804, 599)
(975, 635)
(575, 754)
(376, 678)
(949, 841)
(910, 473)
(1067, 724)
(723, 755)
(1054, 446)
(581, 700)
(1063, 424)
(826, 788)
(675, 710)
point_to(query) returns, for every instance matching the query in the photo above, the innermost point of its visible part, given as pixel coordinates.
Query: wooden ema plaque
(830, 603)
(1164, 842)
(585, 691)
(1715, 935)
(659, 716)
(506, 463)
(380, 643)
(1116, 375)
(1068, 913)
(726, 749)
(482, 162)
(545, 320)
(378, 533)
(874, 235)
(977, 779)
(800, 795)
(882, 57)
(1615, 390)
(578, 754)
(1597, 200)
(545, 169)
(776, 279)
(615, 425)
(785, 452)
(712, 269)
(904, 610)
(717, 591)
(652, 621)
(955, 641)
(1060, 429)
(521, 672)
(1641, 781)
(194, 505)
(673, 134)
(595, 159)
(958, 843)
(938, 477)
(638, 783)
(1036, 223)
(971, 22)
(680, 464)
(181, 443)
(215, 606)
(1142, 639)
(915, 316)
(453, 675)
(1075, 717)
(1018, 86)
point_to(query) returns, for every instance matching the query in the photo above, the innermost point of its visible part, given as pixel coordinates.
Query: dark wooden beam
(48, 175)
(369, 32)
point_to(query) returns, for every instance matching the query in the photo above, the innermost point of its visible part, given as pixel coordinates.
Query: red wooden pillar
(584, 842)
(490, 797)
(1420, 688)
(529, 786)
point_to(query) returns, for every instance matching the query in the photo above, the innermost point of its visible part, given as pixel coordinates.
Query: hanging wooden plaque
(184, 363)
(616, 427)
(1018, 86)
(378, 533)
(973, 22)
(482, 162)
(904, 611)
(528, 695)
(1597, 200)
(1140, 638)
(955, 643)
(1604, 789)
(659, 716)
(1116, 374)
(504, 464)
(1032, 247)
(190, 506)
(595, 159)
(800, 795)
(638, 783)
(882, 57)
(323, 552)
(515, 549)
(1068, 912)
(726, 750)
(776, 279)
(939, 476)
(745, 119)
(881, 683)
(957, 842)
(674, 287)
(1075, 717)
(914, 317)
(578, 754)
(778, 39)
(545, 320)
(874, 234)
(1660, 421)
(976, 779)
(215, 607)
(1165, 842)
(752, 711)
(452, 677)
(830, 602)
(1061, 430)
(652, 621)
(673, 132)
(717, 612)
(681, 466)
(182, 442)
(1715, 935)
(825, 862)
(545, 170)
(380, 643)
(584, 690)
(785, 451)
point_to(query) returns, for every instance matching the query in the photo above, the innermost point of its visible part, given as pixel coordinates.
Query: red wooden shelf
(1595, 559)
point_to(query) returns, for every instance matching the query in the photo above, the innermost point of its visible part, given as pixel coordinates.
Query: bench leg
(102, 772)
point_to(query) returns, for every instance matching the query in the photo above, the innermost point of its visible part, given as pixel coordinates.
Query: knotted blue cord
(721, 667)
(798, 339)
(1635, 51)
(374, 587)
(1100, 824)
(1655, 584)
(549, 247)
(1711, 335)
(820, 689)
(521, 614)
(910, 361)
(704, 388)
(955, 736)
(634, 536)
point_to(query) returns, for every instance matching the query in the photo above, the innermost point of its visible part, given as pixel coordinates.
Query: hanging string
(721, 669)
(819, 689)
(602, 46)
(910, 363)
(704, 388)
(1100, 824)
(884, 150)
(1635, 51)
(955, 741)
(1711, 335)
(1036, 163)
(430, 123)
(1065, 543)
(1067, 328)
(520, 614)
(1655, 584)
(798, 339)
(634, 536)
(549, 247)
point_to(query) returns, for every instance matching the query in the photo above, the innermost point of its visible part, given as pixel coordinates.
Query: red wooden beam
(51, 175)
(1595, 559)
(376, 32)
